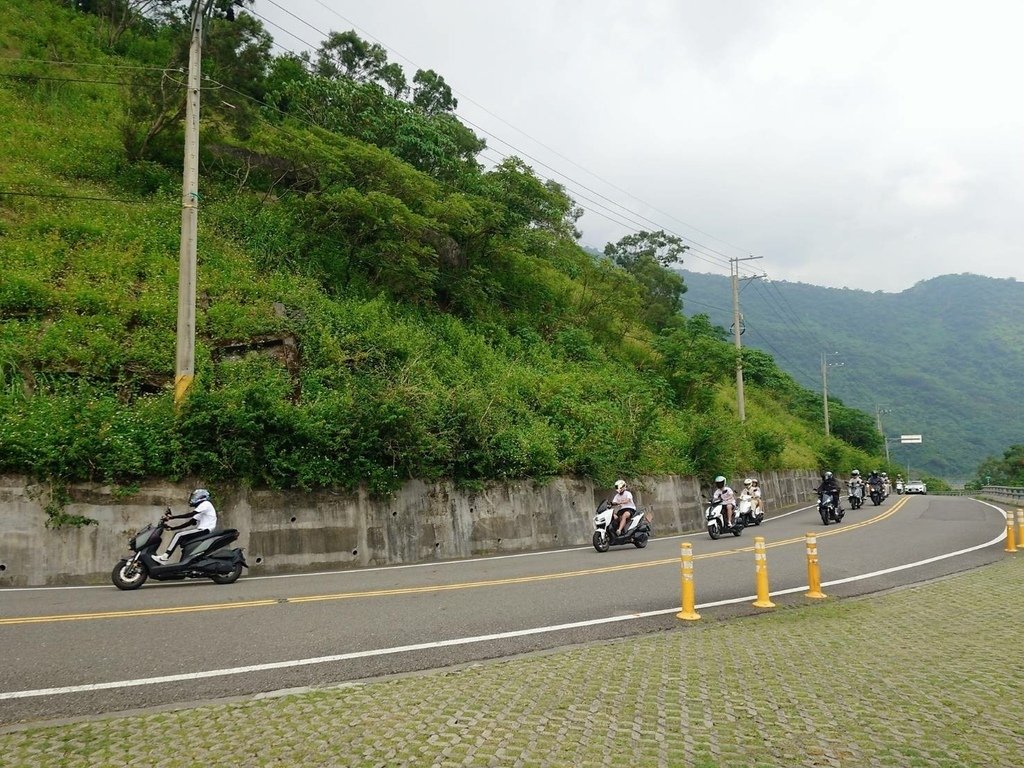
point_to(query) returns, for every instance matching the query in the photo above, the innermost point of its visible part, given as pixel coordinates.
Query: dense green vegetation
(943, 359)
(374, 305)
(1007, 470)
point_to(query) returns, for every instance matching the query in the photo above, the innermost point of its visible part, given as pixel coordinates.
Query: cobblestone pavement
(925, 676)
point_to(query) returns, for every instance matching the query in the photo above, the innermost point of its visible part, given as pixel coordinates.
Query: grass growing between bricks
(917, 677)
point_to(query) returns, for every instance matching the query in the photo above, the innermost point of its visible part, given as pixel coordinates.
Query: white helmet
(748, 481)
(619, 485)
(856, 473)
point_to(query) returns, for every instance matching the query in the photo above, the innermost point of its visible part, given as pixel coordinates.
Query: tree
(345, 54)
(236, 55)
(120, 15)
(530, 202)
(392, 77)
(647, 256)
(432, 94)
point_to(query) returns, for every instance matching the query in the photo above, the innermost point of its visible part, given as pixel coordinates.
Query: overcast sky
(850, 143)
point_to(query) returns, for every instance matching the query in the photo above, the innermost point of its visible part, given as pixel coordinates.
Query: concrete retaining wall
(294, 531)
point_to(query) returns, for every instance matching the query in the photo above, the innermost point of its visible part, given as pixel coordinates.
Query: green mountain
(943, 359)
(373, 304)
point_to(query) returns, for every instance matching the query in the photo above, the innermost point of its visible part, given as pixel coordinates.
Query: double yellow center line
(427, 589)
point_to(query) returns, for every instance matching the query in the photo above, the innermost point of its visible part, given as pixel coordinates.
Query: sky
(849, 143)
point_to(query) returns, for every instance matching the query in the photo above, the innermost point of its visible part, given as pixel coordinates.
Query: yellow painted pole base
(815, 594)
(688, 615)
(182, 382)
(763, 604)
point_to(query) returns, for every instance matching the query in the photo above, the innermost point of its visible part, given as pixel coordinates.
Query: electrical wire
(697, 249)
(513, 127)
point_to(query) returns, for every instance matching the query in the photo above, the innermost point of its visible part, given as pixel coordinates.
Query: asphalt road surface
(76, 651)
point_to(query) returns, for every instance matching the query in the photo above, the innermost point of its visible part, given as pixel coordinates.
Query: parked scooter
(637, 531)
(856, 497)
(715, 516)
(829, 509)
(201, 558)
(747, 512)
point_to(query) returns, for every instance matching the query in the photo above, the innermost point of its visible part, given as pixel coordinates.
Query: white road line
(386, 567)
(185, 676)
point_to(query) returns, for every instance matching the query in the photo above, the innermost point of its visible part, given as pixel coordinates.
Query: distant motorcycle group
(617, 520)
(876, 487)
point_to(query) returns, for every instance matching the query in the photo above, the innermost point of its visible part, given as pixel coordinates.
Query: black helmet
(198, 496)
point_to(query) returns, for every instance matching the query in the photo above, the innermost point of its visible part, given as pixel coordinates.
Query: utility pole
(186, 336)
(737, 322)
(824, 388)
(878, 420)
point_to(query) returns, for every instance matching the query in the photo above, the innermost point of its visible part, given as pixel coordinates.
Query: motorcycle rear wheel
(227, 578)
(123, 581)
(640, 540)
(601, 543)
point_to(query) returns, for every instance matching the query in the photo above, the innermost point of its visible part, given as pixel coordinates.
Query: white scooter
(747, 512)
(715, 517)
(637, 531)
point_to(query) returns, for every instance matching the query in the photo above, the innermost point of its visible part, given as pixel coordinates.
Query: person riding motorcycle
(724, 495)
(855, 480)
(756, 493)
(830, 485)
(624, 506)
(201, 520)
(875, 480)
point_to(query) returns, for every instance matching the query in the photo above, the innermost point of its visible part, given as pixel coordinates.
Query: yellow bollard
(1020, 525)
(813, 569)
(686, 566)
(1011, 546)
(761, 563)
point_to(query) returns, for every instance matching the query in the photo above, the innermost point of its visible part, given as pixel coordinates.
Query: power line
(697, 249)
(515, 128)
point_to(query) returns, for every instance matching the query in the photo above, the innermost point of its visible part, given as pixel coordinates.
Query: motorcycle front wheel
(126, 579)
(601, 543)
(713, 531)
(227, 578)
(824, 518)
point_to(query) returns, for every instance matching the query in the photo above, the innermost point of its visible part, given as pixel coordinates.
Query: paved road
(265, 634)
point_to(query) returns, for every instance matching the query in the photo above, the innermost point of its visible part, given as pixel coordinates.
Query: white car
(916, 486)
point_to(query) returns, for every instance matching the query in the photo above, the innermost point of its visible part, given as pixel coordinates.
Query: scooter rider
(755, 492)
(624, 505)
(855, 480)
(875, 480)
(830, 485)
(201, 520)
(724, 495)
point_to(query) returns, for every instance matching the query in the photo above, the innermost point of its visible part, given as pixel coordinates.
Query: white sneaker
(162, 558)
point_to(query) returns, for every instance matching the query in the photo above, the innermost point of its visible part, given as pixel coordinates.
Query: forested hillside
(374, 304)
(943, 358)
